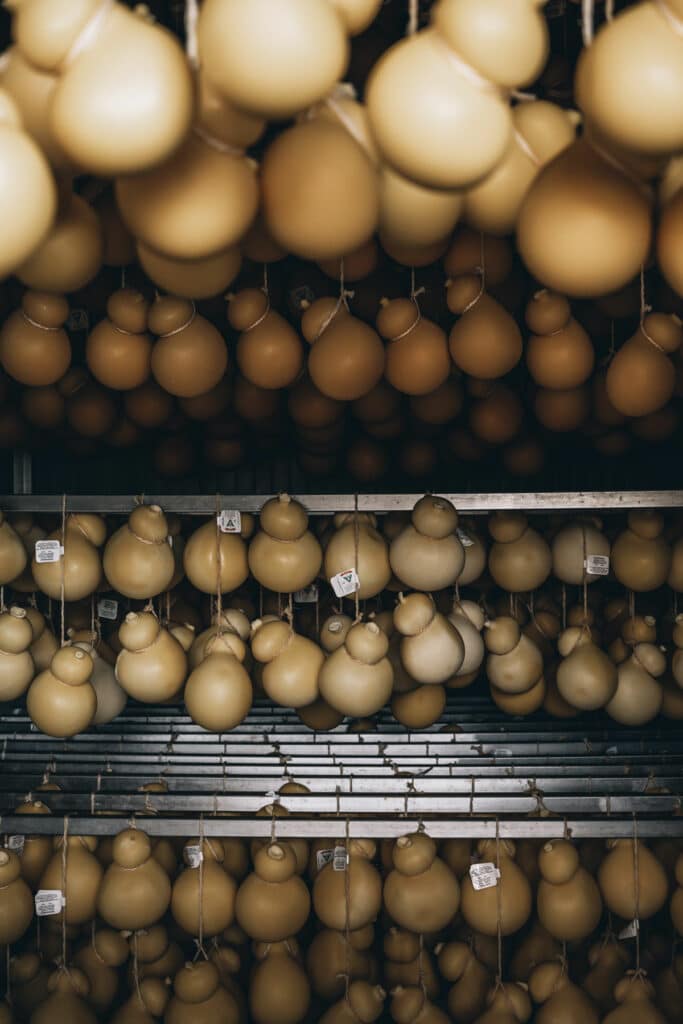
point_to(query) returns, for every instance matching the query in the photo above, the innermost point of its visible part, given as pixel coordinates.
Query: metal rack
(538, 778)
(477, 772)
(321, 504)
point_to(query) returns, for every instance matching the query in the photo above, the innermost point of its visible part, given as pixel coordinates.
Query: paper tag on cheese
(48, 551)
(323, 857)
(193, 856)
(340, 859)
(230, 521)
(16, 843)
(78, 320)
(484, 875)
(631, 930)
(309, 595)
(464, 538)
(107, 608)
(597, 565)
(48, 902)
(345, 583)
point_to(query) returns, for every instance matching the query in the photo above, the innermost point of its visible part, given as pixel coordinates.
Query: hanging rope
(219, 595)
(636, 884)
(587, 22)
(413, 17)
(644, 310)
(62, 560)
(347, 912)
(136, 967)
(191, 45)
(200, 937)
(344, 296)
(65, 837)
(356, 548)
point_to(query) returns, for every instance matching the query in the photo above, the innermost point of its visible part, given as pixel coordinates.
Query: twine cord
(191, 45)
(34, 323)
(65, 836)
(62, 561)
(636, 884)
(413, 17)
(356, 548)
(587, 22)
(200, 938)
(347, 913)
(672, 19)
(177, 330)
(136, 967)
(88, 34)
(344, 296)
(264, 288)
(219, 595)
(644, 310)
(414, 295)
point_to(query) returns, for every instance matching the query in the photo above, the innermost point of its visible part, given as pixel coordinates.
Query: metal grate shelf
(533, 775)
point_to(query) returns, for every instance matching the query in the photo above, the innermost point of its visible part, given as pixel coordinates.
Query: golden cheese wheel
(198, 203)
(272, 911)
(29, 196)
(212, 897)
(419, 708)
(506, 905)
(541, 130)
(644, 359)
(292, 663)
(422, 103)
(320, 716)
(208, 546)
(105, 58)
(80, 567)
(347, 360)
(616, 877)
(16, 902)
(572, 545)
(34, 347)
(485, 342)
(636, 108)
(496, 417)
(190, 356)
(326, 962)
(638, 697)
(218, 693)
(562, 359)
(151, 665)
(279, 990)
(363, 886)
(417, 357)
(71, 254)
(118, 350)
(520, 703)
(61, 700)
(135, 891)
(43, 407)
(584, 228)
(138, 561)
(148, 406)
(470, 250)
(357, 678)
(269, 350)
(562, 410)
(242, 53)
(191, 279)
(320, 191)
(412, 215)
(284, 556)
(358, 534)
(521, 562)
(668, 242)
(425, 901)
(32, 90)
(640, 563)
(80, 882)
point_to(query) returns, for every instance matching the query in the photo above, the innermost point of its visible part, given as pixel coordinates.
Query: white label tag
(16, 843)
(309, 595)
(484, 875)
(193, 856)
(630, 931)
(49, 901)
(78, 320)
(345, 583)
(323, 857)
(48, 551)
(597, 565)
(464, 538)
(107, 608)
(340, 859)
(230, 521)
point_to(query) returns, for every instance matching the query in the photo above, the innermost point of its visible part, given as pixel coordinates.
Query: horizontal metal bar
(14, 787)
(374, 828)
(205, 504)
(349, 803)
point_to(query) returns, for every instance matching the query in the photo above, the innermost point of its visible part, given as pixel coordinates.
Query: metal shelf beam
(320, 504)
